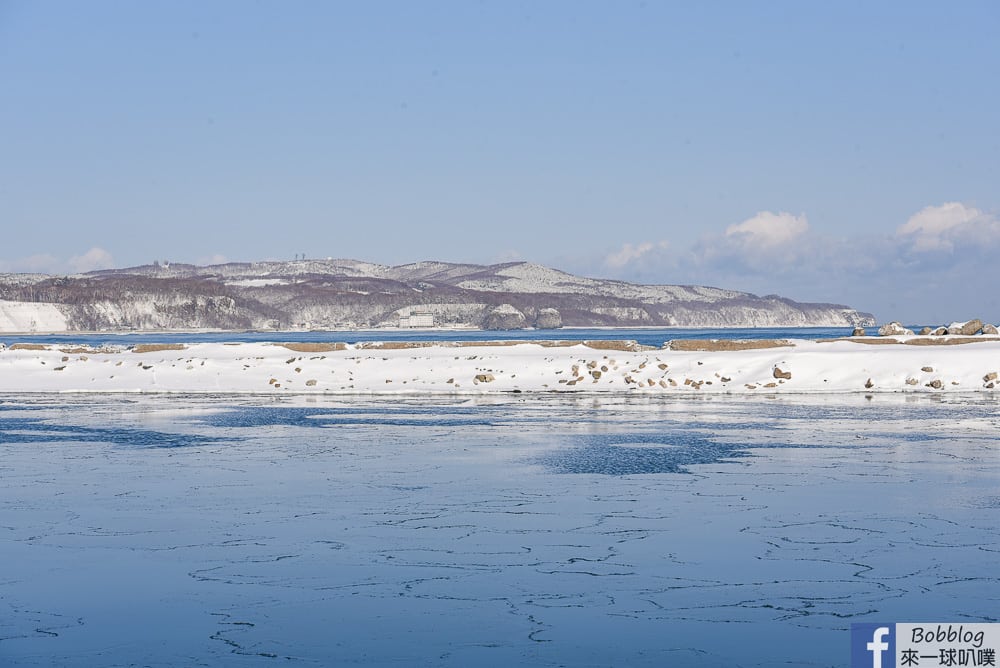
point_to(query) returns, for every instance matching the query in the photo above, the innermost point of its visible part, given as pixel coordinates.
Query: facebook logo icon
(873, 645)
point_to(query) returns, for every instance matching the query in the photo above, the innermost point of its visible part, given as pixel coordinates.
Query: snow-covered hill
(341, 294)
(31, 317)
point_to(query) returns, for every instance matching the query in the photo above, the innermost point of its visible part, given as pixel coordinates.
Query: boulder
(940, 331)
(858, 331)
(987, 329)
(936, 384)
(968, 328)
(894, 328)
(504, 316)
(924, 331)
(485, 378)
(548, 318)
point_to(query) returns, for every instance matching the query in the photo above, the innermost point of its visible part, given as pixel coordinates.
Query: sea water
(533, 530)
(650, 336)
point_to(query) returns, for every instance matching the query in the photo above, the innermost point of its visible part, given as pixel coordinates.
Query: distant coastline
(334, 295)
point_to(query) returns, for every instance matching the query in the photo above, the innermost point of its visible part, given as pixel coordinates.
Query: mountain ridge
(354, 294)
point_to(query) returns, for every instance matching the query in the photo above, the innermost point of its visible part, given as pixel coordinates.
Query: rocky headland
(350, 295)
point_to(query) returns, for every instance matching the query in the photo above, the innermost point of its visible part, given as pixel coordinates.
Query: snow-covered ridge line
(349, 294)
(795, 366)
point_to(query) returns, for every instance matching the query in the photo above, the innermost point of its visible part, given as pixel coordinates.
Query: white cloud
(46, 263)
(92, 260)
(768, 230)
(510, 255)
(217, 258)
(940, 228)
(767, 243)
(894, 271)
(42, 263)
(628, 253)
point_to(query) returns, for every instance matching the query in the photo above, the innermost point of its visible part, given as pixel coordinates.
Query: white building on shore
(416, 319)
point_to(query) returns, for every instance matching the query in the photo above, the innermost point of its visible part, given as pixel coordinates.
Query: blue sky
(845, 152)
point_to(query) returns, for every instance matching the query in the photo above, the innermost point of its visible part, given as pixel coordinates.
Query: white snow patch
(259, 282)
(840, 366)
(31, 317)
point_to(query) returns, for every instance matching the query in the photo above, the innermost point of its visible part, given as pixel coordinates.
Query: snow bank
(31, 317)
(469, 367)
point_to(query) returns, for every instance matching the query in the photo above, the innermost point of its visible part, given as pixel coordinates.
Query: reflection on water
(389, 416)
(494, 531)
(32, 430)
(634, 453)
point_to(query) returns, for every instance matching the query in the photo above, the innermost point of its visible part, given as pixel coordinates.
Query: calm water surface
(650, 336)
(543, 531)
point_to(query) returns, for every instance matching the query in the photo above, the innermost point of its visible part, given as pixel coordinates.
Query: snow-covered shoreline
(794, 366)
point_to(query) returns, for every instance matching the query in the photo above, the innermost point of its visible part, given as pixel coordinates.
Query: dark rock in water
(858, 331)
